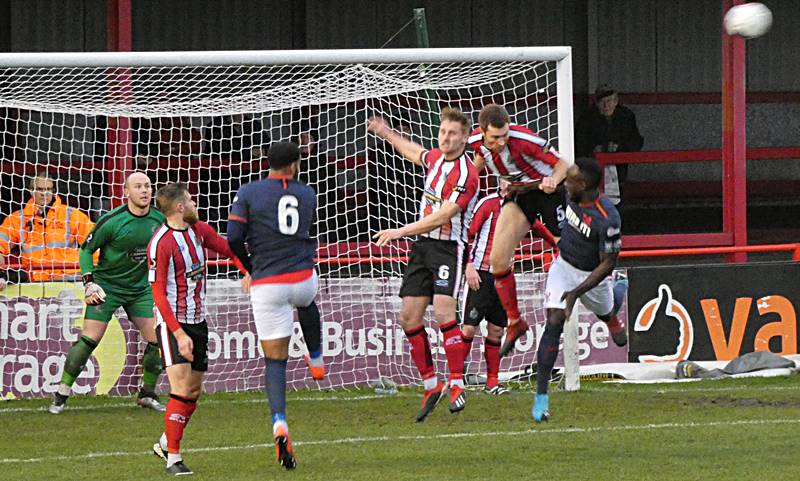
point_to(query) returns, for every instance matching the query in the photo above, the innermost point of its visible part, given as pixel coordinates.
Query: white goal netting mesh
(211, 127)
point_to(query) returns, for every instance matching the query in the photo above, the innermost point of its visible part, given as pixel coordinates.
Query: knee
(467, 330)
(494, 332)
(444, 316)
(408, 321)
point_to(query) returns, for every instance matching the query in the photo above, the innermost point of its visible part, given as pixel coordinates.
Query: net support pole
(118, 146)
(734, 140)
(572, 379)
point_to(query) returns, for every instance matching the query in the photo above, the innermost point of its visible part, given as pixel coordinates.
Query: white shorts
(273, 306)
(564, 277)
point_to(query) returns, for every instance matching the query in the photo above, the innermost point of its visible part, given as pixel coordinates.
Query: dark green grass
(710, 430)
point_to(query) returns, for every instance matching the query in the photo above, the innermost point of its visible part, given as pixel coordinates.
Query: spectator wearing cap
(608, 127)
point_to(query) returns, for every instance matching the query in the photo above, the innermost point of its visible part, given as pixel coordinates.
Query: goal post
(207, 118)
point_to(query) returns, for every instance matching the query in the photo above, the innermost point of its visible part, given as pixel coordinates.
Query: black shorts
(549, 208)
(484, 304)
(170, 355)
(434, 267)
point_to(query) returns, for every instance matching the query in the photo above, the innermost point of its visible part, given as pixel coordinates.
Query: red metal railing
(545, 257)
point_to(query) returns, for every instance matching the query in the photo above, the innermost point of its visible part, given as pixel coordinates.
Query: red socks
(491, 351)
(453, 349)
(421, 351)
(506, 287)
(179, 411)
(614, 325)
(541, 231)
(467, 345)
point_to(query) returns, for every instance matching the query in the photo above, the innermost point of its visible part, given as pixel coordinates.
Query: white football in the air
(748, 20)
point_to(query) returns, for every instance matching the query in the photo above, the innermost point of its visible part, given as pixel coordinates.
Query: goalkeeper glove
(93, 289)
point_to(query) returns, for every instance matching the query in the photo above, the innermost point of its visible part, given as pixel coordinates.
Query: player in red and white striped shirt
(481, 301)
(438, 257)
(177, 272)
(534, 169)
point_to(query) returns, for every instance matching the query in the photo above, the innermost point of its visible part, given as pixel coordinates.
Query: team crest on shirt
(196, 272)
(138, 254)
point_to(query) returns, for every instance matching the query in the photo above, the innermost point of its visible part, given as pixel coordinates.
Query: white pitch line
(129, 404)
(377, 439)
(368, 397)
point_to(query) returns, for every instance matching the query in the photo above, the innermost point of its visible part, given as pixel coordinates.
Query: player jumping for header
(589, 246)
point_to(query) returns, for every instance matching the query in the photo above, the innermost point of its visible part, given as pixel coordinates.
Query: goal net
(207, 119)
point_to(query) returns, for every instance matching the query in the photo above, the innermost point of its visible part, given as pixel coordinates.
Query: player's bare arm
(549, 184)
(408, 149)
(603, 270)
(427, 224)
(472, 276)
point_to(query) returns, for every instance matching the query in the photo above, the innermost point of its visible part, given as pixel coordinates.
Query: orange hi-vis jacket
(42, 240)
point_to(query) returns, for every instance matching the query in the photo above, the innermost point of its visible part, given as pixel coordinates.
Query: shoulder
(488, 202)
(156, 214)
(117, 214)
(521, 134)
(623, 112)
(611, 213)
(475, 138)
(202, 229)
(161, 241)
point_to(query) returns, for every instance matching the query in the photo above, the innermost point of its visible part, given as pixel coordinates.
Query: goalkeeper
(118, 280)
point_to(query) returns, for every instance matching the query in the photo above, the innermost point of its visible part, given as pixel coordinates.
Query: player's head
(453, 132)
(174, 198)
(42, 188)
(494, 123)
(583, 177)
(138, 190)
(606, 99)
(284, 158)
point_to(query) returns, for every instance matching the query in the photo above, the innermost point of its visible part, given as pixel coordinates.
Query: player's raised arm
(408, 149)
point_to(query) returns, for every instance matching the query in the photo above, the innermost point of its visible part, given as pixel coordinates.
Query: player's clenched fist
(377, 126)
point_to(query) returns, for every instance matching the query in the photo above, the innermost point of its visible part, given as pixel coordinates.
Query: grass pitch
(709, 430)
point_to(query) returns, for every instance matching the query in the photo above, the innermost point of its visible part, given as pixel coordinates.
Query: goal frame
(561, 55)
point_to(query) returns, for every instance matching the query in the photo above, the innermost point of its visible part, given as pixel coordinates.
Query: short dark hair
(494, 115)
(169, 195)
(455, 115)
(603, 91)
(283, 154)
(590, 170)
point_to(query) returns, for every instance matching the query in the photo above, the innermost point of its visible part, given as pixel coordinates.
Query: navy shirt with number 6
(273, 216)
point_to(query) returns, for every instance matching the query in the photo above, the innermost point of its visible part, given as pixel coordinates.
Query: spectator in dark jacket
(608, 127)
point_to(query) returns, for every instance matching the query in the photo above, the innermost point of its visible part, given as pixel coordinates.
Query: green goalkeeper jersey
(122, 238)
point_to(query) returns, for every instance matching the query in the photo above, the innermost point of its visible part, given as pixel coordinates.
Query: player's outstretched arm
(427, 224)
(408, 149)
(549, 184)
(603, 270)
(213, 241)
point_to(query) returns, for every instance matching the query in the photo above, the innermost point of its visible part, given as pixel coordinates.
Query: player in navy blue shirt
(590, 245)
(273, 216)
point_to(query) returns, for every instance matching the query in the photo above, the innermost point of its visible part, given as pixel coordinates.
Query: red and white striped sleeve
(479, 216)
(531, 144)
(213, 241)
(161, 251)
(428, 157)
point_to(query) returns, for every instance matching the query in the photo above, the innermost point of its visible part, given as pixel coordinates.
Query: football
(748, 20)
